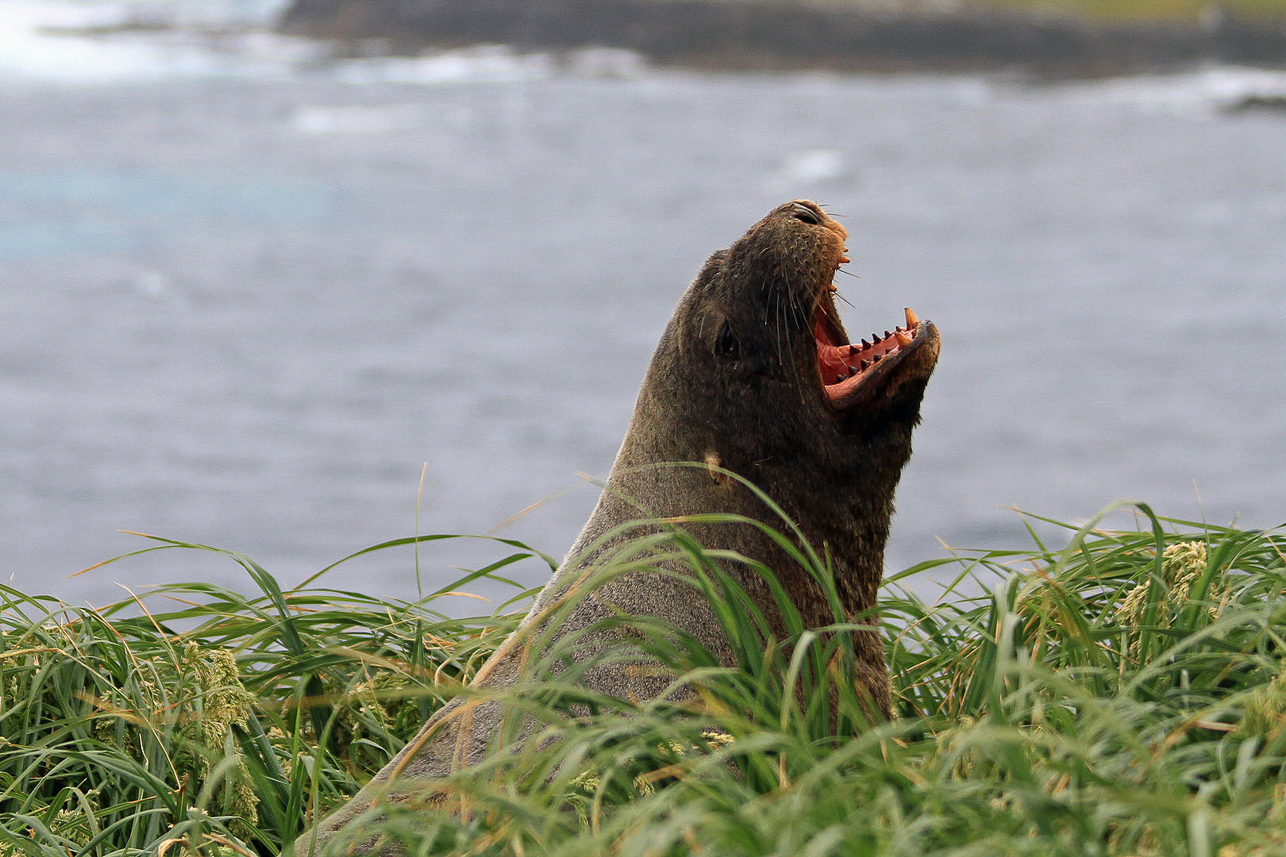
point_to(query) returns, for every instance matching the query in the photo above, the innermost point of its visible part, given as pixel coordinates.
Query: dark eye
(726, 344)
(804, 213)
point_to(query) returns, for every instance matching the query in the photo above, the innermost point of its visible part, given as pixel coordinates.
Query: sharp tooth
(840, 377)
(852, 349)
(877, 357)
(865, 344)
(866, 364)
(903, 339)
(887, 334)
(911, 320)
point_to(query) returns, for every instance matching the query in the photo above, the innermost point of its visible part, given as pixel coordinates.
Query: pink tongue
(833, 361)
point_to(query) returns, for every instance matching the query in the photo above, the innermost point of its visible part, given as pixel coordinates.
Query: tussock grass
(1117, 694)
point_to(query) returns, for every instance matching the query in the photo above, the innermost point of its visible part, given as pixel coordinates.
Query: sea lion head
(756, 351)
(777, 286)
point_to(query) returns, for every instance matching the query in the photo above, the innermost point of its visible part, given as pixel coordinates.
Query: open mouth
(850, 371)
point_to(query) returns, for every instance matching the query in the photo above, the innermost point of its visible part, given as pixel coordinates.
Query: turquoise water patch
(86, 211)
(29, 240)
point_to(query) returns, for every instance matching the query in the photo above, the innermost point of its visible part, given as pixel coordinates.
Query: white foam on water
(480, 64)
(27, 47)
(114, 42)
(491, 64)
(1201, 93)
(95, 42)
(1228, 86)
(815, 165)
(807, 170)
(359, 119)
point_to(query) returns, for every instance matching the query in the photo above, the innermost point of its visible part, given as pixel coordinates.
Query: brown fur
(758, 410)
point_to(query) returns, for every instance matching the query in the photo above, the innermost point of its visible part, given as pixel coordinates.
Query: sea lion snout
(822, 237)
(809, 212)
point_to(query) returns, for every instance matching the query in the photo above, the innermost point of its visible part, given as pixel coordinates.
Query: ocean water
(288, 306)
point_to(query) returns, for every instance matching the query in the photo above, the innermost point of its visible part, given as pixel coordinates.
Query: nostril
(806, 214)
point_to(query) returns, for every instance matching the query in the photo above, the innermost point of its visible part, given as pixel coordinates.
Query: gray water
(250, 310)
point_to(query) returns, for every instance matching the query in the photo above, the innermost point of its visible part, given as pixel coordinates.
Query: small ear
(713, 266)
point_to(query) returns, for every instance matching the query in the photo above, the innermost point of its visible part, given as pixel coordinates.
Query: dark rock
(783, 34)
(1273, 103)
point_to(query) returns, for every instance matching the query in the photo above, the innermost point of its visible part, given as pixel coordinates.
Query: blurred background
(268, 270)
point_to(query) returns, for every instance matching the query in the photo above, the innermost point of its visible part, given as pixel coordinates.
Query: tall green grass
(1118, 693)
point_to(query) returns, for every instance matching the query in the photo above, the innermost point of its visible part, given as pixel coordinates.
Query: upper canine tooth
(911, 320)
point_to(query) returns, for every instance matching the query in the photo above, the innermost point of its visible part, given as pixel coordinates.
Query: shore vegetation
(1119, 692)
(1145, 10)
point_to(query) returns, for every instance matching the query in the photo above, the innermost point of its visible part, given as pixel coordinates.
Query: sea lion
(755, 376)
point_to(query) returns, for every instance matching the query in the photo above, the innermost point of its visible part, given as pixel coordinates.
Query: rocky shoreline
(788, 34)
